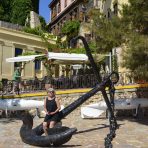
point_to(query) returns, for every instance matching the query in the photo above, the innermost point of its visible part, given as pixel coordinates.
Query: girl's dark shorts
(54, 117)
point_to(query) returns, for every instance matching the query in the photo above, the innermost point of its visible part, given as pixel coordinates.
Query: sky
(44, 9)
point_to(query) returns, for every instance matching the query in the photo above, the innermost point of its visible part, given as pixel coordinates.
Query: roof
(52, 2)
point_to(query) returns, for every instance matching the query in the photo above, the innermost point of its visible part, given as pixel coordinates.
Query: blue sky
(44, 10)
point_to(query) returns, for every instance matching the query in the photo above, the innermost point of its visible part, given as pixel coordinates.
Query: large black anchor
(62, 135)
(106, 83)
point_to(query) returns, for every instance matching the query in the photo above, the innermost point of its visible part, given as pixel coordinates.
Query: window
(37, 63)
(54, 12)
(18, 52)
(65, 3)
(59, 7)
(115, 9)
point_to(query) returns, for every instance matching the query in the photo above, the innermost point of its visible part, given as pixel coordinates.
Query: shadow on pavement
(92, 129)
(8, 120)
(69, 146)
(141, 120)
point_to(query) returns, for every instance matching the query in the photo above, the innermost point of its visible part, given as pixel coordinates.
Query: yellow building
(14, 43)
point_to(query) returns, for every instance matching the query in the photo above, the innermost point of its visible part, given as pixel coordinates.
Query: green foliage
(43, 23)
(16, 11)
(20, 10)
(75, 50)
(135, 18)
(114, 63)
(45, 36)
(136, 56)
(28, 53)
(36, 31)
(71, 29)
(51, 47)
(136, 14)
(93, 46)
(5, 10)
(108, 32)
(48, 65)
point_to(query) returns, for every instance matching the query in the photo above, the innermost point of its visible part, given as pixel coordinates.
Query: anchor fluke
(57, 136)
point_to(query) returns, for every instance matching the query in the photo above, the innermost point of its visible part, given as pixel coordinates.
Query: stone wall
(124, 93)
(67, 99)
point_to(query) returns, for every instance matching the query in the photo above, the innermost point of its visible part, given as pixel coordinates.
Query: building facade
(14, 43)
(64, 10)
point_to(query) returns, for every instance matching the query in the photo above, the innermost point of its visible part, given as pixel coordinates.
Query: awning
(23, 58)
(58, 58)
(51, 55)
(67, 56)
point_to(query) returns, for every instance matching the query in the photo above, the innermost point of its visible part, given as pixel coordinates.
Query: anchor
(62, 135)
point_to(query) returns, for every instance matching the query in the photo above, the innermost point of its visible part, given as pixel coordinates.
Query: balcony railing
(27, 86)
(73, 82)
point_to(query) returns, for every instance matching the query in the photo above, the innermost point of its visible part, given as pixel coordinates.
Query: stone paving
(132, 133)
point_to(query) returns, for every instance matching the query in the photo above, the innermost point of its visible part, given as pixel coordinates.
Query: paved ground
(90, 134)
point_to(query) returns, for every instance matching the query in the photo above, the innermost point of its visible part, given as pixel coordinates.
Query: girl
(51, 107)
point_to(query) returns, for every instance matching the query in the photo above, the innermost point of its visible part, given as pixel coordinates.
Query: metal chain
(112, 119)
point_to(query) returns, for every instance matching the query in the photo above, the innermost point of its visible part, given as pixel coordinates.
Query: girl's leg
(52, 124)
(45, 124)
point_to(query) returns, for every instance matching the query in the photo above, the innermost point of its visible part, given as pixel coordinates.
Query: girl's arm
(58, 105)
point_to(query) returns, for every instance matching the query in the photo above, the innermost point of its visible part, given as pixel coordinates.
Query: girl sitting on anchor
(51, 107)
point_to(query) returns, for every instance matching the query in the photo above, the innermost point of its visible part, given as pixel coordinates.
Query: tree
(5, 10)
(71, 29)
(43, 23)
(16, 11)
(20, 10)
(135, 57)
(135, 16)
(108, 32)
